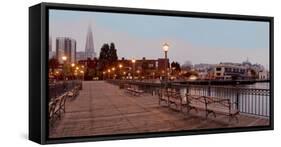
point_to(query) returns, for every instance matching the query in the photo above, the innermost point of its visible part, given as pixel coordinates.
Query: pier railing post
(237, 98)
(209, 88)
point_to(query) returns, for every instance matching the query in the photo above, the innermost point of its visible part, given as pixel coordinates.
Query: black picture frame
(38, 76)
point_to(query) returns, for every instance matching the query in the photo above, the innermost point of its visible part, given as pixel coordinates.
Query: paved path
(102, 108)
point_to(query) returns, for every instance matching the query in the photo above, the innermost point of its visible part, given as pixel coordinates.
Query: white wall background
(14, 71)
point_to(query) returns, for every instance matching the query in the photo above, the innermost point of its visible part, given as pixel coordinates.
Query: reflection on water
(257, 85)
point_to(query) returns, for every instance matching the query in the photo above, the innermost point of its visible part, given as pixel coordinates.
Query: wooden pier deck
(102, 109)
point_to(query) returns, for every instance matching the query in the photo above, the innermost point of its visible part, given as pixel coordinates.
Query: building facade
(50, 44)
(230, 71)
(163, 64)
(144, 68)
(66, 46)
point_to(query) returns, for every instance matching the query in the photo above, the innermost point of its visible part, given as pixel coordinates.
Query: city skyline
(136, 35)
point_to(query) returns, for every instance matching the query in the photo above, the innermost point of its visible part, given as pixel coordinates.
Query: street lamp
(64, 58)
(113, 72)
(119, 73)
(103, 73)
(108, 71)
(82, 72)
(133, 61)
(138, 72)
(72, 70)
(165, 49)
(57, 74)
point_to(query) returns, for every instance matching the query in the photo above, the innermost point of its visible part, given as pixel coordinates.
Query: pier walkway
(103, 109)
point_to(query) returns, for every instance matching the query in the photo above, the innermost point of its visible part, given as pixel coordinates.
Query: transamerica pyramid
(89, 48)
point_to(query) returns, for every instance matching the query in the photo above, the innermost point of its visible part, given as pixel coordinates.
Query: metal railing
(58, 88)
(247, 100)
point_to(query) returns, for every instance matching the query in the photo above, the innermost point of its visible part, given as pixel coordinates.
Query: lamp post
(120, 66)
(103, 75)
(113, 72)
(133, 61)
(165, 49)
(57, 74)
(138, 72)
(82, 73)
(108, 71)
(64, 58)
(72, 71)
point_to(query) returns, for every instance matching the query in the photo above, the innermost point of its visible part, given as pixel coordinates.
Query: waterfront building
(247, 63)
(203, 70)
(263, 75)
(230, 71)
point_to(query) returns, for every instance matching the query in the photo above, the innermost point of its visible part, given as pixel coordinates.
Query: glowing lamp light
(133, 60)
(165, 47)
(64, 58)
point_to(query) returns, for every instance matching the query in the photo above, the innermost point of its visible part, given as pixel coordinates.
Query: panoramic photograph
(118, 73)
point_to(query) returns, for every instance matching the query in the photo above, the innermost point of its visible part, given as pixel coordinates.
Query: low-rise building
(228, 71)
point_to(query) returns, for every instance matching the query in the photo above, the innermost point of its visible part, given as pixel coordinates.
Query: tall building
(51, 52)
(66, 46)
(50, 44)
(89, 48)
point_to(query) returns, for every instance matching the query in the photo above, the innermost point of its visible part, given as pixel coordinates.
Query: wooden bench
(212, 105)
(134, 91)
(162, 97)
(74, 92)
(174, 98)
(56, 108)
(195, 102)
(170, 97)
(216, 105)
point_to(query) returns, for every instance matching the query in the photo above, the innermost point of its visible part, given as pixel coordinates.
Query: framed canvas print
(100, 73)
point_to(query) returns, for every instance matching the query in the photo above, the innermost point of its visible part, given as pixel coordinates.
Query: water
(264, 85)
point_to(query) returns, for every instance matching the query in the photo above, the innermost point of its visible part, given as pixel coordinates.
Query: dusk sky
(198, 40)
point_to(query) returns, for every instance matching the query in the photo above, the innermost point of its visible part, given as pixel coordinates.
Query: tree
(108, 56)
(103, 58)
(112, 53)
(176, 66)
